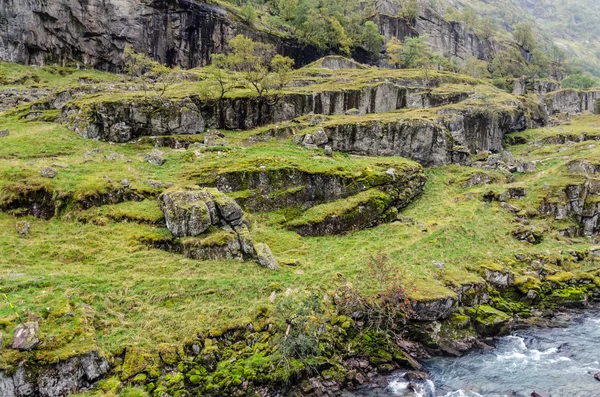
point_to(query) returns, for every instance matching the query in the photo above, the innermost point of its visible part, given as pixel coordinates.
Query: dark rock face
(55, 380)
(577, 201)
(433, 310)
(94, 32)
(572, 101)
(431, 143)
(447, 38)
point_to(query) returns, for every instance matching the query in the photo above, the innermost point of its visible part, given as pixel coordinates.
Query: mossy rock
(571, 296)
(489, 321)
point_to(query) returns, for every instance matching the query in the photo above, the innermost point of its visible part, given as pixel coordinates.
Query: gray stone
(328, 151)
(4, 133)
(23, 228)
(433, 310)
(190, 211)
(7, 385)
(215, 139)
(48, 172)
(92, 152)
(499, 279)
(186, 211)
(155, 157)
(320, 138)
(265, 257)
(125, 183)
(25, 337)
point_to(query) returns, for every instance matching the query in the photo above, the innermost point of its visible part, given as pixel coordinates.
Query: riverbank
(558, 360)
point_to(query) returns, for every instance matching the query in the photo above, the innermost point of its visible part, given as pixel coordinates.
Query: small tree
(389, 309)
(408, 9)
(371, 39)
(416, 53)
(249, 14)
(338, 37)
(282, 67)
(524, 36)
(580, 81)
(394, 52)
(141, 68)
(477, 68)
(252, 60)
(136, 65)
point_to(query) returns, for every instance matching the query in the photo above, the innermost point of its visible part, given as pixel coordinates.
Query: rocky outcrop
(366, 209)
(94, 32)
(66, 377)
(524, 86)
(44, 202)
(265, 189)
(12, 97)
(122, 121)
(211, 225)
(449, 139)
(452, 39)
(433, 310)
(192, 211)
(572, 101)
(579, 201)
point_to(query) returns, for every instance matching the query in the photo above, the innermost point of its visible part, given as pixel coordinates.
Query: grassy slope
(143, 296)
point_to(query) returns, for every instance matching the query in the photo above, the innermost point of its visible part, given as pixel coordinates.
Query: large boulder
(190, 211)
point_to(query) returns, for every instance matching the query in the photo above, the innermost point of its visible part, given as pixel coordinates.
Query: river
(556, 362)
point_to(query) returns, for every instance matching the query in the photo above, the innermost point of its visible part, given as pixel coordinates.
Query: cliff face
(175, 32)
(452, 39)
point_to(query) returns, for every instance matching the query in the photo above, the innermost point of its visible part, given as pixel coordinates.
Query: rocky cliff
(452, 39)
(94, 32)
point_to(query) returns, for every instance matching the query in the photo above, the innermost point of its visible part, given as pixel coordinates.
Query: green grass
(143, 296)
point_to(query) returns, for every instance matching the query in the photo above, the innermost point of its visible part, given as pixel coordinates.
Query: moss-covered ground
(91, 278)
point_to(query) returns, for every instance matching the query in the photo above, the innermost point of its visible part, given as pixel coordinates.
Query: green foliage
(393, 51)
(249, 14)
(282, 67)
(301, 318)
(371, 39)
(580, 81)
(251, 59)
(476, 68)
(416, 53)
(524, 35)
(149, 73)
(509, 62)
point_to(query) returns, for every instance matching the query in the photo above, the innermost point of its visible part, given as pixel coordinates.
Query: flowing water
(559, 362)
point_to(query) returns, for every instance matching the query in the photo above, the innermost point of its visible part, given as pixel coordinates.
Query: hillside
(171, 242)
(572, 25)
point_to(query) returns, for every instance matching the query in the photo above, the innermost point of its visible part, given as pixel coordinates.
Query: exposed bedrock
(452, 39)
(43, 202)
(361, 211)
(271, 189)
(94, 32)
(524, 86)
(431, 143)
(579, 201)
(572, 101)
(75, 374)
(124, 120)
